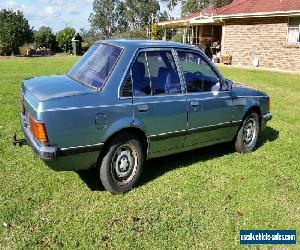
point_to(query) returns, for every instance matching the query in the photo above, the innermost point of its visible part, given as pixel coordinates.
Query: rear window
(94, 67)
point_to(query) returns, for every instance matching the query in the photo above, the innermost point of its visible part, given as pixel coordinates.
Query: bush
(23, 50)
(44, 37)
(177, 38)
(64, 39)
(85, 47)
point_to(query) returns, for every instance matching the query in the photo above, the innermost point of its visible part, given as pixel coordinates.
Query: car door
(159, 103)
(209, 103)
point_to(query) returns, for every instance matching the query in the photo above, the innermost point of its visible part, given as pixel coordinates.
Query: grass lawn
(199, 199)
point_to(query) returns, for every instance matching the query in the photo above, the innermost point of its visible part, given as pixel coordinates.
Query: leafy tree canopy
(64, 38)
(14, 31)
(221, 3)
(191, 6)
(44, 37)
(105, 16)
(141, 13)
(117, 16)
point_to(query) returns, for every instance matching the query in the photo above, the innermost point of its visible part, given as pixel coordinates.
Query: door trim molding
(169, 135)
(213, 127)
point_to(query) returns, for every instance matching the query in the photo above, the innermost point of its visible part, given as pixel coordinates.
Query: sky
(57, 14)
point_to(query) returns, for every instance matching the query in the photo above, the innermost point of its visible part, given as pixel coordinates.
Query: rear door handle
(195, 103)
(143, 108)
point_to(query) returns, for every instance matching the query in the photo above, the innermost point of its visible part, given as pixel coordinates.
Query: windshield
(95, 66)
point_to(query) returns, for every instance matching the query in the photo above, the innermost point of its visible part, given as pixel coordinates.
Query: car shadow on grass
(159, 166)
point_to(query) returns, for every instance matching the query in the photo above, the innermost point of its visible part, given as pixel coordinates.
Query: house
(263, 33)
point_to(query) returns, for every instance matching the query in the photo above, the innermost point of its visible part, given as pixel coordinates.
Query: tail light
(22, 105)
(38, 130)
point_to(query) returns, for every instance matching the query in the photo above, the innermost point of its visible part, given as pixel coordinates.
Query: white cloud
(9, 4)
(51, 11)
(54, 13)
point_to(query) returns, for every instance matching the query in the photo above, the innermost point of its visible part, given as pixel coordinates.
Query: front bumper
(265, 118)
(42, 151)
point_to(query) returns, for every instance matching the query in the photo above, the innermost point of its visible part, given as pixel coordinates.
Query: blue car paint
(73, 112)
(53, 87)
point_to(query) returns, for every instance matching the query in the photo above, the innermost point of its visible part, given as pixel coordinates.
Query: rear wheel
(247, 136)
(122, 163)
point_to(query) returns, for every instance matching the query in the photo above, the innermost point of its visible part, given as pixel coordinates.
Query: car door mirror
(228, 84)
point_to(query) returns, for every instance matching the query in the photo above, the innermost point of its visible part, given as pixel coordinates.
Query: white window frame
(288, 31)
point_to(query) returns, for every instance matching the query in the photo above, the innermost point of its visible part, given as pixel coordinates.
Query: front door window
(199, 75)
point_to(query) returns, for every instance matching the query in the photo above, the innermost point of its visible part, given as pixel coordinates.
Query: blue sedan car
(126, 101)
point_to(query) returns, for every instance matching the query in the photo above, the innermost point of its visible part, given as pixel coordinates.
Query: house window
(294, 30)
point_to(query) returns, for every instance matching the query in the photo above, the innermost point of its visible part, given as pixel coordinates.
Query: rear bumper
(42, 151)
(77, 157)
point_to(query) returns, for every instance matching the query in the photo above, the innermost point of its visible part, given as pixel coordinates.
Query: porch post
(184, 35)
(165, 34)
(192, 38)
(223, 38)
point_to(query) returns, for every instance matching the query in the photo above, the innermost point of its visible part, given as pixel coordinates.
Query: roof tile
(258, 6)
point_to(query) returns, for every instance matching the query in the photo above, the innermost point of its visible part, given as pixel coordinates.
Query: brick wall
(264, 38)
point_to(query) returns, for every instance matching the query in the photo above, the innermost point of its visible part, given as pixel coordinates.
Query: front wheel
(247, 136)
(122, 163)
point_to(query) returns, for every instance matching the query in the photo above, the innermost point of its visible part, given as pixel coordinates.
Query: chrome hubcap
(250, 132)
(124, 163)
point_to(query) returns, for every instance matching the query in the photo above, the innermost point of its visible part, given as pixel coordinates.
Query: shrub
(177, 38)
(23, 50)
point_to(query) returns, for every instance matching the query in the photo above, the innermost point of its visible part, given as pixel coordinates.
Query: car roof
(132, 43)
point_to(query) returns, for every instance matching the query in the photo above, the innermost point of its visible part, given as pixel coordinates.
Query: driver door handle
(195, 103)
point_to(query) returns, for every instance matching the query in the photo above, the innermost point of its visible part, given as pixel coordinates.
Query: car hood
(243, 90)
(52, 87)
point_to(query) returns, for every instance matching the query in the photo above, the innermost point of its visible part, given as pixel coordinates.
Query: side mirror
(228, 84)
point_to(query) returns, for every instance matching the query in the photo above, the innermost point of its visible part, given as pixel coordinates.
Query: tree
(188, 6)
(120, 16)
(105, 16)
(141, 13)
(122, 21)
(164, 16)
(64, 38)
(221, 3)
(192, 6)
(44, 37)
(171, 3)
(14, 31)
(89, 36)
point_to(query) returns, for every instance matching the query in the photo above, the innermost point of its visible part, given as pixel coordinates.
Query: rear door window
(140, 76)
(155, 73)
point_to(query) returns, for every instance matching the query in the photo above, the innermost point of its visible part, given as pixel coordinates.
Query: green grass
(199, 199)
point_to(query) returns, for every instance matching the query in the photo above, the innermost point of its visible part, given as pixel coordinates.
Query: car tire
(247, 135)
(122, 162)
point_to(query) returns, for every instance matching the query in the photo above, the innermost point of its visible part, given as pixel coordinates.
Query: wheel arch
(127, 130)
(256, 109)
